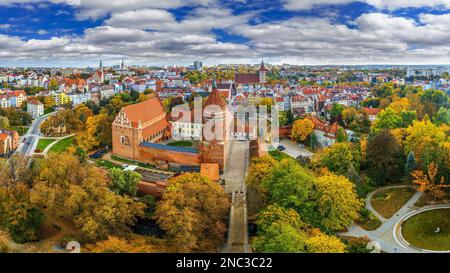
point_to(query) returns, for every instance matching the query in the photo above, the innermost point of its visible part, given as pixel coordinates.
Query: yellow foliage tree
(191, 212)
(119, 245)
(301, 129)
(400, 105)
(322, 243)
(337, 201)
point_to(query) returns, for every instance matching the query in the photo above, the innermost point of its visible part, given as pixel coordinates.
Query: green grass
(389, 201)
(43, 143)
(182, 143)
(48, 111)
(106, 164)
(419, 230)
(277, 155)
(62, 145)
(22, 130)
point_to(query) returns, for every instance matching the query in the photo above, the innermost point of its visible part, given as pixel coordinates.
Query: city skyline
(63, 33)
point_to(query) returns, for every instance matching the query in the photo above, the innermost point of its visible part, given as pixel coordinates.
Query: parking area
(294, 150)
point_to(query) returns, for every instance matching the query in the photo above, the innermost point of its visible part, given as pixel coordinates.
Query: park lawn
(44, 143)
(181, 143)
(106, 164)
(278, 156)
(419, 230)
(62, 145)
(389, 201)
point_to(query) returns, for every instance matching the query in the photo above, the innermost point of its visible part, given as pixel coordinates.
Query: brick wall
(149, 155)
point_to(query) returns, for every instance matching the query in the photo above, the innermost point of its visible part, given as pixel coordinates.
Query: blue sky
(309, 32)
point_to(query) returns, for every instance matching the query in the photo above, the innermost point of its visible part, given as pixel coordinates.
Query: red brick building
(138, 130)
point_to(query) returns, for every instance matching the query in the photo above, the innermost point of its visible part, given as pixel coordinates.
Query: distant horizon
(106, 65)
(59, 33)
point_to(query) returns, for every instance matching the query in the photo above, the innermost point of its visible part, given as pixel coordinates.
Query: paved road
(384, 234)
(32, 137)
(293, 150)
(234, 174)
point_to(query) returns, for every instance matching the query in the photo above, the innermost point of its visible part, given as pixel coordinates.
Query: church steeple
(263, 68)
(101, 65)
(214, 83)
(262, 73)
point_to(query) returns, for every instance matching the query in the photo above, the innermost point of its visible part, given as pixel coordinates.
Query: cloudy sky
(154, 32)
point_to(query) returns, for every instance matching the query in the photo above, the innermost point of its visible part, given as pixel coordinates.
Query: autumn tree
(302, 129)
(429, 143)
(322, 243)
(276, 213)
(79, 194)
(124, 182)
(385, 158)
(429, 182)
(336, 201)
(18, 215)
(191, 212)
(120, 245)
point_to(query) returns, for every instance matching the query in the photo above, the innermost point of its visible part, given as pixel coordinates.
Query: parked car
(281, 148)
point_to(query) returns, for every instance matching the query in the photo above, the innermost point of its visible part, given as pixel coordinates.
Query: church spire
(263, 68)
(101, 65)
(214, 83)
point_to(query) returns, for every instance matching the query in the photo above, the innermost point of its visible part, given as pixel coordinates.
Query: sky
(70, 33)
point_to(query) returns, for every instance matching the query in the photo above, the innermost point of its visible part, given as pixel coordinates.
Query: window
(123, 139)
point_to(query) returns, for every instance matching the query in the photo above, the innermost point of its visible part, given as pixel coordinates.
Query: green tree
(339, 157)
(410, 165)
(280, 238)
(385, 158)
(442, 116)
(124, 182)
(4, 122)
(387, 119)
(291, 186)
(336, 113)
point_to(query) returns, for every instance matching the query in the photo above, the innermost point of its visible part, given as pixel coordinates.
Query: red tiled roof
(155, 128)
(3, 136)
(371, 111)
(249, 78)
(215, 99)
(144, 111)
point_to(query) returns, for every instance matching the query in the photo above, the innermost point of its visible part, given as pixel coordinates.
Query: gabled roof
(247, 78)
(371, 111)
(143, 111)
(215, 98)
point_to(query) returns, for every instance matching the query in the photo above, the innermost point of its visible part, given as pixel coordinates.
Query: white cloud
(42, 32)
(382, 4)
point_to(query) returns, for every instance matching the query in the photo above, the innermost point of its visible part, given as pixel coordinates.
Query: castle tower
(262, 73)
(213, 151)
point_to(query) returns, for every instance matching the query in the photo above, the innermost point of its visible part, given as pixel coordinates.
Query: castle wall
(149, 155)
